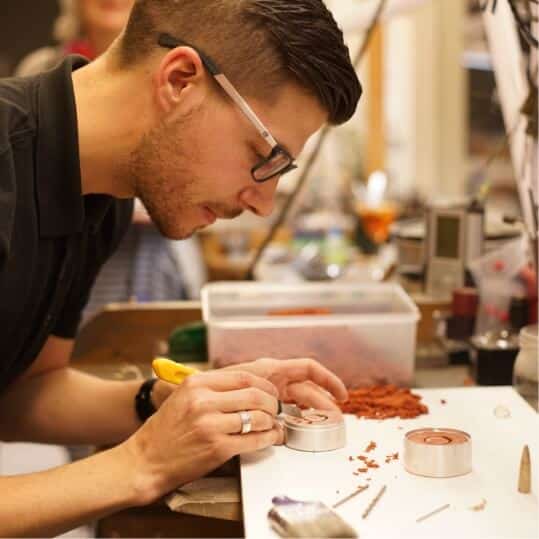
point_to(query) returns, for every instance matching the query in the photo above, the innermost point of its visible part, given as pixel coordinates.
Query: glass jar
(525, 379)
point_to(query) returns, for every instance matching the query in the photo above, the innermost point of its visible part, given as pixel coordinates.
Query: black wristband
(143, 400)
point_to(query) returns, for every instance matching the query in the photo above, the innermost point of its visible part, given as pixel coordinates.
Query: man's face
(191, 171)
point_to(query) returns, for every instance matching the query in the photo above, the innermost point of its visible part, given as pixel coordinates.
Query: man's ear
(179, 80)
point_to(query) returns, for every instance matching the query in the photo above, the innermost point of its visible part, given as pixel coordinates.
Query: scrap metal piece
(502, 412)
(479, 506)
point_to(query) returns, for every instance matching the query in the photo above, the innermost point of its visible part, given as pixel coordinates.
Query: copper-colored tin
(316, 430)
(438, 452)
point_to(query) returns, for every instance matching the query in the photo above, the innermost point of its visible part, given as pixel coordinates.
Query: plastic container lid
(247, 304)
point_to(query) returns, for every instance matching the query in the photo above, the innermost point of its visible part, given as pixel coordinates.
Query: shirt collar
(62, 207)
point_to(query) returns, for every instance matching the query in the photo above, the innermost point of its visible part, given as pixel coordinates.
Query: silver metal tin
(438, 452)
(315, 431)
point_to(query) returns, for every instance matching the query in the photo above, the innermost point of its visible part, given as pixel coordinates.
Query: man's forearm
(55, 501)
(66, 406)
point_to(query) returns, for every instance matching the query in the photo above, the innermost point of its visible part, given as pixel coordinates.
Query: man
(197, 109)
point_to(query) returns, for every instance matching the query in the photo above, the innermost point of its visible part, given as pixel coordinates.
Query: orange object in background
(300, 311)
(377, 220)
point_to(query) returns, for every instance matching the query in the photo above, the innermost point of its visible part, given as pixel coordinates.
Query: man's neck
(110, 124)
(100, 41)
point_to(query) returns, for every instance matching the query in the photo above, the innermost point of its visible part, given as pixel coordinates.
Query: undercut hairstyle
(258, 44)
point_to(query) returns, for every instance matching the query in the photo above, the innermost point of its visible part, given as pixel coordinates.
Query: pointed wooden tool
(524, 477)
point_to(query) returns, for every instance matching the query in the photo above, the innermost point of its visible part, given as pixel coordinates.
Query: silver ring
(245, 422)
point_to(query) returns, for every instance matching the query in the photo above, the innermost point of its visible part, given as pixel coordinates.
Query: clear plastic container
(525, 378)
(365, 333)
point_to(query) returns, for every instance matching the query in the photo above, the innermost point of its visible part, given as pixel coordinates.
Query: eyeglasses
(279, 161)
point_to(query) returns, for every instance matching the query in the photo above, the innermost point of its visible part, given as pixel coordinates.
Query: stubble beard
(165, 196)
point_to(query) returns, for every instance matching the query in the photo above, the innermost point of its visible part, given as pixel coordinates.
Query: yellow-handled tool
(170, 371)
(176, 373)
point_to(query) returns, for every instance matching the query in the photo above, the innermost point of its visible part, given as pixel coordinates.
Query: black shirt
(53, 240)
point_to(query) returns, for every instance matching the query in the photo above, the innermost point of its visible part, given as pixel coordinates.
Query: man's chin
(182, 234)
(171, 233)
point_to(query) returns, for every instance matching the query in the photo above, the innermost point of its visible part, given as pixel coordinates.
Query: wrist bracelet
(143, 400)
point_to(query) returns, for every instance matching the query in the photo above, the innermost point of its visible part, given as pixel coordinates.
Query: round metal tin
(315, 431)
(438, 452)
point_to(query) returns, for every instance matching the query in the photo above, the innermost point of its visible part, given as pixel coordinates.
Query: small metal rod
(432, 513)
(350, 496)
(374, 502)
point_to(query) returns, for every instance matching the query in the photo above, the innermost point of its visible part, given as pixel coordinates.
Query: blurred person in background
(85, 27)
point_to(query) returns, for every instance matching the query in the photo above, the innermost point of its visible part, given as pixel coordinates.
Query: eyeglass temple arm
(226, 85)
(170, 42)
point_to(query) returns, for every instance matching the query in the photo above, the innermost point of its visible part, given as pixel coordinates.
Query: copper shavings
(383, 402)
(370, 447)
(369, 463)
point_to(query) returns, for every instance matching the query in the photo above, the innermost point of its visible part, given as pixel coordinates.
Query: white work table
(496, 446)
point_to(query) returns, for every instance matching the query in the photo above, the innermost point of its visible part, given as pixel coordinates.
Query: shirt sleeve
(98, 248)
(71, 315)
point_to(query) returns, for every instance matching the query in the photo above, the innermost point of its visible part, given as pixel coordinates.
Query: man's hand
(161, 391)
(302, 381)
(198, 428)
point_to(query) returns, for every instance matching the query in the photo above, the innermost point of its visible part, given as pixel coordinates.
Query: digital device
(454, 238)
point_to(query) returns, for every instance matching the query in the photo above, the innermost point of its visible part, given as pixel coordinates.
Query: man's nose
(260, 198)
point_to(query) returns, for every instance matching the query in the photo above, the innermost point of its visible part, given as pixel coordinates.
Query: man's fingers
(309, 395)
(230, 381)
(254, 441)
(232, 424)
(300, 370)
(251, 398)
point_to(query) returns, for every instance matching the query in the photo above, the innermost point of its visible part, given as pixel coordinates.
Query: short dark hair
(259, 44)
